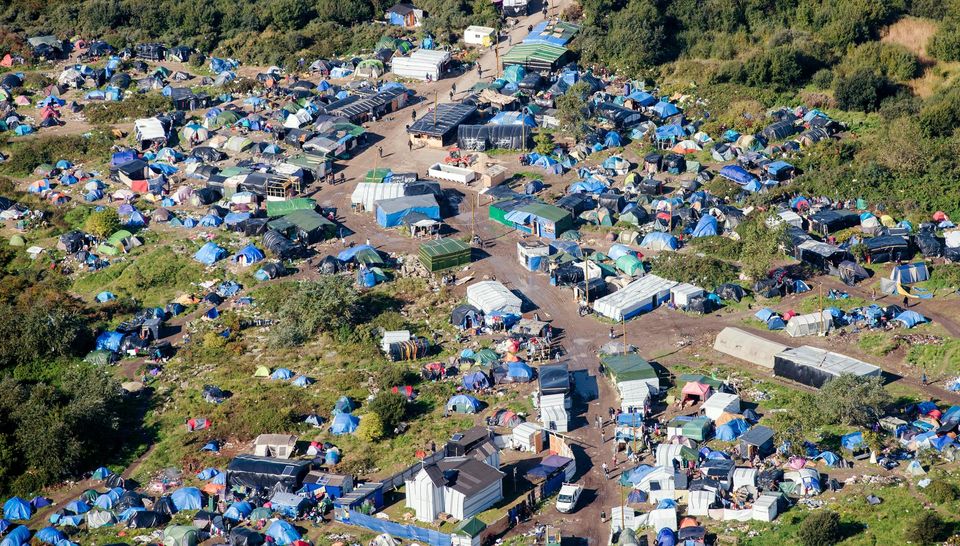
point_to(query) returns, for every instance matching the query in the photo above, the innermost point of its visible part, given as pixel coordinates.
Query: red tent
(696, 391)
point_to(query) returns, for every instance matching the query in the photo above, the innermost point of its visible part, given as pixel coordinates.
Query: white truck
(568, 497)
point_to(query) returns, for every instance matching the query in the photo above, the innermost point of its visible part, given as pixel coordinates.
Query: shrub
(820, 529)
(27, 155)
(389, 407)
(945, 44)
(822, 78)
(853, 400)
(102, 223)
(861, 91)
(393, 376)
(371, 427)
(942, 492)
(700, 270)
(137, 106)
(927, 528)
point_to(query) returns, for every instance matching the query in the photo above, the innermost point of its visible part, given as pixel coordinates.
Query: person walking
(923, 379)
(606, 471)
(613, 333)
(380, 151)
(410, 145)
(413, 114)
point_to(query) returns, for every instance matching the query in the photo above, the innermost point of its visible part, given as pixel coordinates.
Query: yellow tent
(888, 221)
(262, 371)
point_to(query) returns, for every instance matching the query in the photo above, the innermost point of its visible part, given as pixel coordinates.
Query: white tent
(149, 130)
(698, 502)
(553, 413)
(634, 394)
(659, 484)
(640, 296)
(745, 477)
(720, 402)
(662, 517)
(811, 324)
(684, 292)
(666, 454)
(748, 346)
(952, 238)
(298, 120)
(420, 64)
(524, 436)
(765, 508)
(368, 193)
(490, 296)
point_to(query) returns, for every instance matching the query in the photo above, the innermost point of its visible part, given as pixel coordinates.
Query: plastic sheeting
(397, 530)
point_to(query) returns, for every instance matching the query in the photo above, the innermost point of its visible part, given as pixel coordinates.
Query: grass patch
(936, 359)
(137, 106)
(153, 278)
(877, 343)
(27, 155)
(813, 303)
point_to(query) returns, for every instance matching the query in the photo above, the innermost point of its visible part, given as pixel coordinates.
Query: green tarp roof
(549, 212)
(471, 528)
(443, 247)
(524, 53)
(282, 208)
(628, 367)
(696, 378)
(308, 220)
(696, 429)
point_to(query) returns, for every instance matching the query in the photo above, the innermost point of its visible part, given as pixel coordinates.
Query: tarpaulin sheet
(397, 530)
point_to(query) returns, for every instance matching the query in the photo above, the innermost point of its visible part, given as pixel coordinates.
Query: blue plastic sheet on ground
(397, 530)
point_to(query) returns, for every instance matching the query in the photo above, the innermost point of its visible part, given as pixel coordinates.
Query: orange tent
(7, 61)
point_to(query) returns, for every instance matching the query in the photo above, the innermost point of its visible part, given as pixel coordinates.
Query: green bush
(862, 90)
(945, 44)
(138, 106)
(27, 155)
(702, 271)
(102, 223)
(822, 78)
(717, 246)
(820, 528)
(389, 407)
(927, 528)
(887, 60)
(942, 492)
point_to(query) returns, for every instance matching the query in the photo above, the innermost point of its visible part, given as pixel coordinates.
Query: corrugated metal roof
(829, 362)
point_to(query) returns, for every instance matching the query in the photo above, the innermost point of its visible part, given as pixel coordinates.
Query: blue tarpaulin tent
(207, 473)
(19, 536)
(238, 511)
(281, 373)
(49, 535)
(706, 227)
(302, 381)
(658, 240)
(16, 509)
(463, 403)
(344, 423)
(910, 318)
(665, 109)
(852, 441)
(519, 372)
(78, 507)
(343, 405)
(731, 430)
(738, 174)
(187, 498)
(830, 458)
(210, 254)
(666, 537)
(475, 381)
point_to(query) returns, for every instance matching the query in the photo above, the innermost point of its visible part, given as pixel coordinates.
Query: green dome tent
(181, 535)
(17, 240)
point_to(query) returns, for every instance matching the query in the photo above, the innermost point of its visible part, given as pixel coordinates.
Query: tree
(103, 222)
(637, 36)
(860, 91)
(820, 529)
(853, 400)
(544, 143)
(927, 528)
(370, 428)
(945, 43)
(390, 407)
(761, 246)
(572, 110)
(325, 305)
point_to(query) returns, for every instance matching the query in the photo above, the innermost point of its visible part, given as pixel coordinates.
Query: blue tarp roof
(731, 430)
(852, 441)
(706, 227)
(738, 174)
(665, 109)
(642, 98)
(910, 318)
(282, 532)
(187, 498)
(210, 253)
(17, 508)
(344, 423)
(519, 370)
(672, 131)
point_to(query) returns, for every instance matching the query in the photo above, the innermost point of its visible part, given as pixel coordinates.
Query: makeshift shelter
(463, 403)
(811, 324)
(640, 296)
(344, 423)
(814, 367)
(17, 509)
(210, 253)
(490, 296)
(696, 392)
(181, 535)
